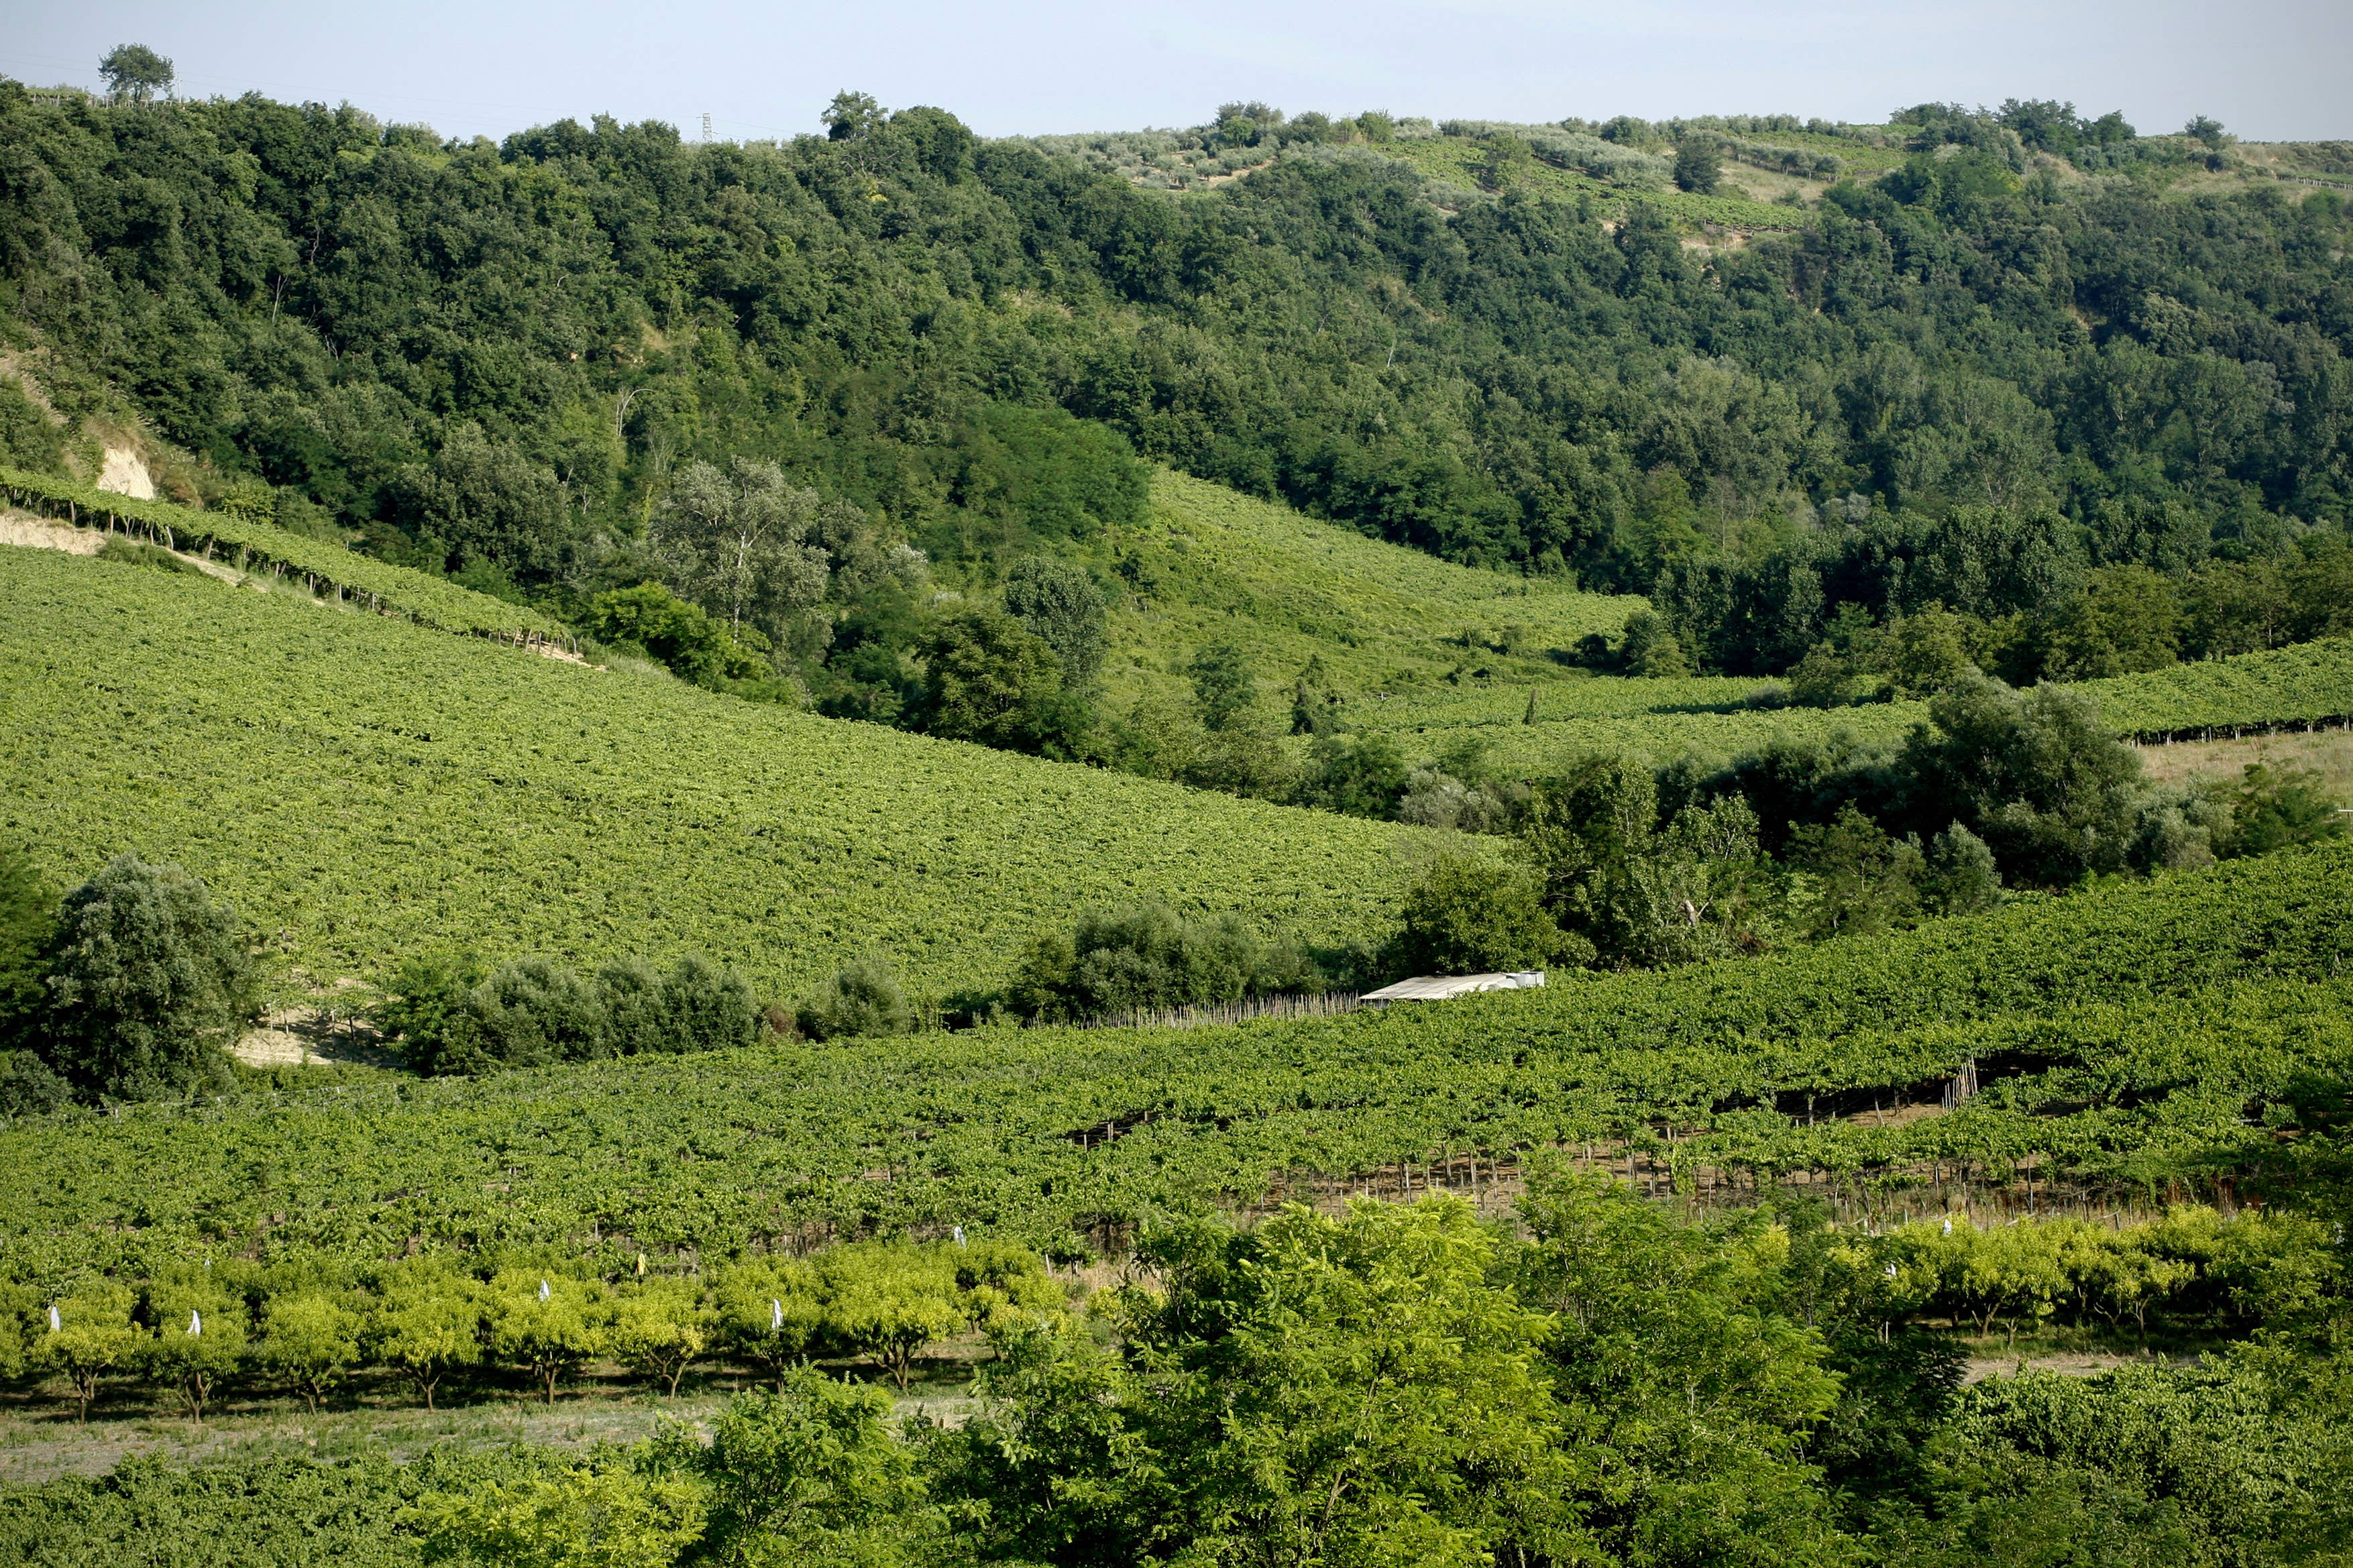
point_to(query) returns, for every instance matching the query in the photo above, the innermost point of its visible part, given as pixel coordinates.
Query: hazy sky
(2269, 69)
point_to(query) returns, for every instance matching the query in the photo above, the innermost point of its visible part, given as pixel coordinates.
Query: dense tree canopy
(1958, 381)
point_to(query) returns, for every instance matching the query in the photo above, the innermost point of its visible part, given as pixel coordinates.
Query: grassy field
(361, 787)
(1458, 161)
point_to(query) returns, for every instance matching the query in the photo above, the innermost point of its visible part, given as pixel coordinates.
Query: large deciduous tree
(149, 984)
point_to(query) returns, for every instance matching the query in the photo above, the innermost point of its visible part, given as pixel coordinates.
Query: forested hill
(2062, 345)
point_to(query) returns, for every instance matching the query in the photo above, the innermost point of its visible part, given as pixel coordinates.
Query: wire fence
(1321, 1005)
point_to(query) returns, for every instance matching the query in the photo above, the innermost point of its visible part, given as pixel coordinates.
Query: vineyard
(326, 569)
(2120, 1038)
(2304, 685)
(1213, 564)
(363, 788)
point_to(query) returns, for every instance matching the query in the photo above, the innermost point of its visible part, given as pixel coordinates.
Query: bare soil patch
(314, 1034)
(25, 531)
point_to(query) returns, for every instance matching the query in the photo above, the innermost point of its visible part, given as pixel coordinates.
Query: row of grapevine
(327, 568)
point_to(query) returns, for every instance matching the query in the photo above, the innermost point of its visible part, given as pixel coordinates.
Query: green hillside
(2134, 1027)
(1713, 716)
(362, 787)
(1211, 564)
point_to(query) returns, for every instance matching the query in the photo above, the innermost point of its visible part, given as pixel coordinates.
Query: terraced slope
(361, 786)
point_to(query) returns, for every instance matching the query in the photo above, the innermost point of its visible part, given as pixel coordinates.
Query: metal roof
(1443, 987)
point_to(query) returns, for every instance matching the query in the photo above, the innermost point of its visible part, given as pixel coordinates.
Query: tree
(659, 1327)
(740, 537)
(424, 1008)
(2035, 777)
(1507, 161)
(2127, 620)
(769, 1311)
(1692, 895)
(28, 923)
(198, 1338)
(311, 1339)
(1960, 877)
(1335, 1389)
(1676, 1360)
(2275, 808)
(149, 984)
(1472, 915)
(136, 74)
(1315, 702)
(1063, 607)
(1696, 166)
(426, 1322)
(1225, 686)
(481, 498)
(988, 679)
(1924, 652)
(91, 1335)
(851, 115)
(1823, 678)
(862, 997)
(810, 1474)
(1356, 775)
(1863, 882)
(1651, 650)
(549, 1327)
(1640, 892)
(889, 1301)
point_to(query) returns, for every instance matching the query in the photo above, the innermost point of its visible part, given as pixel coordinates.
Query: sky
(2269, 69)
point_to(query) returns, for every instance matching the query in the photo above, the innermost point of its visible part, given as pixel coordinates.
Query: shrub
(862, 997)
(1148, 956)
(693, 645)
(698, 1006)
(536, 1012)
(450, 1018)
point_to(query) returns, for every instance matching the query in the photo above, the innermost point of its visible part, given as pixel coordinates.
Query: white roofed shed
(1446, 987)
